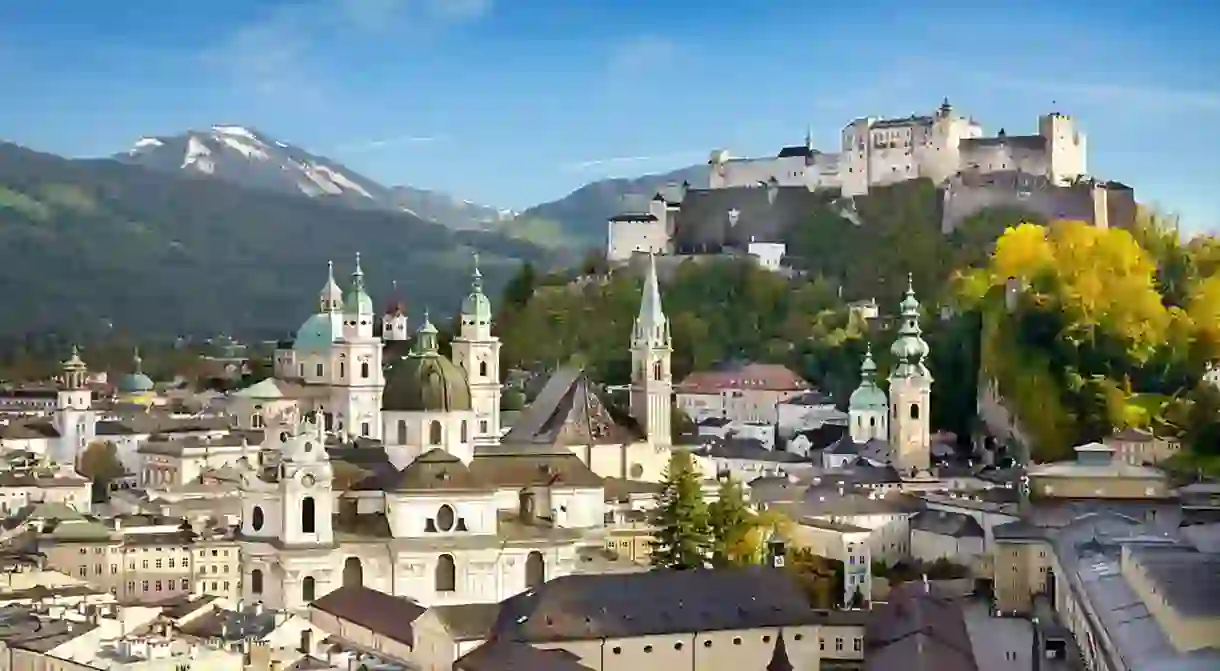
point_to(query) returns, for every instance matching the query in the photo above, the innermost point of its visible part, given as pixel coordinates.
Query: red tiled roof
(746, 377)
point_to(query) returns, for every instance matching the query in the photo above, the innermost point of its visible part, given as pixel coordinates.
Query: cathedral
(387, 466)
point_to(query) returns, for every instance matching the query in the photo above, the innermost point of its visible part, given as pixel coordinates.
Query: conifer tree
(683, 537)
(730, 523)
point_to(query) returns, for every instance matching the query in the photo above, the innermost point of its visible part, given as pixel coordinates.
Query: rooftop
(1188, 580)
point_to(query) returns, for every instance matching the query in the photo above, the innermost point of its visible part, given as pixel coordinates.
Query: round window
(256, 518)
(445, 518)
(637, 471)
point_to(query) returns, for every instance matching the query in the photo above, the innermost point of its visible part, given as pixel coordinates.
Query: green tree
(100, 463)
(683, 536)
(682, 428)
(730, 522)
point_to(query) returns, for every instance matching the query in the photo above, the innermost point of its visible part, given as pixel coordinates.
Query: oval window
(445, 518)
(256, 518)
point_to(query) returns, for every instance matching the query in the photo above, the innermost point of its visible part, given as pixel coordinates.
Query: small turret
(330, 299)
(394, 323)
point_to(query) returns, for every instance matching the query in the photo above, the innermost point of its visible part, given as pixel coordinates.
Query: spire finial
(330, 269)
(358, 271)
(910, 284)
(135, 358)
(477, 275)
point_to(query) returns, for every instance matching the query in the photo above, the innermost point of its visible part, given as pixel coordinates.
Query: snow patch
(342, 180)
(147, 142)
(245, 148)
(198, 156)
(323, 183)
(281, 144)
(237, 131)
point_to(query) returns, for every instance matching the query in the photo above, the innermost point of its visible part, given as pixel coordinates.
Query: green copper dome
(425, 380)
(318, 333)
(356, 300)
(909, 349)
(476, 307)
(868, 396)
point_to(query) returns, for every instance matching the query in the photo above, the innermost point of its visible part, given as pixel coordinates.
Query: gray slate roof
(944, 523)
(585, 607)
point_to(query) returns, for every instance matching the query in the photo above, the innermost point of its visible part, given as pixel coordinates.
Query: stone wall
(1107, 204)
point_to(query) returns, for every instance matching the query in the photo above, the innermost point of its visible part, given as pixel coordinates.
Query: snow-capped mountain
(255, 160)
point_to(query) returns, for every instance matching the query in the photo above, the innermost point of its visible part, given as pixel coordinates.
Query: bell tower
(910, 392)
(477, 352)
(651, 377)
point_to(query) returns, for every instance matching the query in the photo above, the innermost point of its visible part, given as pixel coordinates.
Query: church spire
(476, 282)
(426, 336)
(909, 349)
(330, 299)
(651, 324)
(137, 364)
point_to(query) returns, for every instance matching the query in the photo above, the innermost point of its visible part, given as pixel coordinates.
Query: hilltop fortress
(748, 203)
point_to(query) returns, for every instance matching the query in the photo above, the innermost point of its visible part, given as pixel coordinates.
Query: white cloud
(670, 158)
(277, 53)
(384, 143)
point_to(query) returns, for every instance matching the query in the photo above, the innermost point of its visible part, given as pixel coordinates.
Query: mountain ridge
(90, 245)
(253, 159)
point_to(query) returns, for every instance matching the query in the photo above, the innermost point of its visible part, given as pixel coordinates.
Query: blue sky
(513, 102)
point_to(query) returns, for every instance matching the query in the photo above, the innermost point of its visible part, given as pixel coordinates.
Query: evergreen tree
(730, 522)
(683, 537)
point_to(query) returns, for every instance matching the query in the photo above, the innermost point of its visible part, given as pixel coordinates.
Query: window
(446, 574)
(319, 370)
(482, 369)
(364, 369)
(402, 432)
(256, 518)
(353, 572)
(256, 421)
(307, 588)
(158, 563)
(434, 432)
(857, 644)
(914, 411)
(839, 644)
(342, 369)
(445, 518)
(144, 585)
(307, 515)
(256, 581)
(186, 584)
(535, 570)
(482, 426)
(464, 430)
(364, 429)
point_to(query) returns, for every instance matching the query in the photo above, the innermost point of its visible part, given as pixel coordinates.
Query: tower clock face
(308, 480)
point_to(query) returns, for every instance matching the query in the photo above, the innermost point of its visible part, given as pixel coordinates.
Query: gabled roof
(945, 523)
(435, 471)
(507, 467)
(499, 655)
(381, 613)
(921, 630)
(570, 411)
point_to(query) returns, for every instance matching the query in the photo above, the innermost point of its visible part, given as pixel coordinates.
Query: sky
(515, 102)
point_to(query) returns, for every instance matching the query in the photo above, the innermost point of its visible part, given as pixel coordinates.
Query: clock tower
(305, 487)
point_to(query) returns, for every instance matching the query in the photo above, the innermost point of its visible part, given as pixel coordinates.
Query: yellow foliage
(1100, 278)
(1022, 252)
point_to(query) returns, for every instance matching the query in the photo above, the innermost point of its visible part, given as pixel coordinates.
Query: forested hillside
(90, 248)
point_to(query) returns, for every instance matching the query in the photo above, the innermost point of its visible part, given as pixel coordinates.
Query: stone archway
(353, 572)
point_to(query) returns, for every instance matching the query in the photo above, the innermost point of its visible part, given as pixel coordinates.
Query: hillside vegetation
(1110, 328)
(87, 247)
(1088, 330)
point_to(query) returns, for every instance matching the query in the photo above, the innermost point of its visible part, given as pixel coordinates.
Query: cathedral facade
(392, 470)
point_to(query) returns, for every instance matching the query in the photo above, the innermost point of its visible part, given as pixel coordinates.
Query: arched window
(353, 572)
(328, 421)
(434, 432)
(342, 369)
(308, 587)
(872, 421)
(256, 581)
(482, 369)
(402, 432)
(464, 431)
(446, 574)
(256, 420)
(535, 570)
(914, 411)
(657, 370)
(364, 369)
(308, 511)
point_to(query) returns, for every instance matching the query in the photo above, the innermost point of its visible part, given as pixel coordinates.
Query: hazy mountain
(86, 245)
(582, 214)
(255, 160)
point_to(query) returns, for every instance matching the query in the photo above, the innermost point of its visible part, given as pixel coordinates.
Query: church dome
(868, 398)
(318, 332)
(478, 306)
(133, 383)
(136, 381)
(425, 380)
